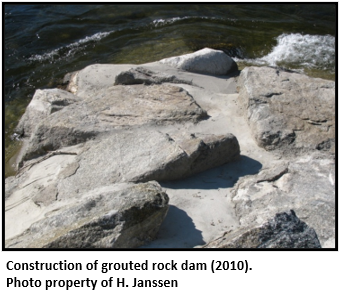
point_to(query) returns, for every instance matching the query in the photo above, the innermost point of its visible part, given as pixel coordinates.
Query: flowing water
(44, 42)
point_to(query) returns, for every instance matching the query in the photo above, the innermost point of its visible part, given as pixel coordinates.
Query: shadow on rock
(224, 176)
(177, 231)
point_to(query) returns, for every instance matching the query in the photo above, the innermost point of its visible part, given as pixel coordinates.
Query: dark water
(44, 42)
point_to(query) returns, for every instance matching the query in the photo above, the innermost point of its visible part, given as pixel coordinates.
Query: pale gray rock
(46, 183)
(306, 185)
(287, 110)
(141, 75)
(204, 61)
(43, 104)
(144, 155)
(97, 77)
(84, 83)
(110, 109)
(285, 230)
(114, 216)
(11, 184)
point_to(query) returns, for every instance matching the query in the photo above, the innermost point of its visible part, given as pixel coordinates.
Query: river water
(44, 42)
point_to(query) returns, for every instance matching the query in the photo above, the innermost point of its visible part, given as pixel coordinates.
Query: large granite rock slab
(42, 105)
(285, 230)
(306, 185)
(204, 61)
(95, 77)
(147, 155)
(287, 110)
(113, 216)
(45, 183)
(79, 120)
(126, 156)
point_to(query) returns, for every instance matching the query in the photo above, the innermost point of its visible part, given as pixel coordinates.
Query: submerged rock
(285, 230)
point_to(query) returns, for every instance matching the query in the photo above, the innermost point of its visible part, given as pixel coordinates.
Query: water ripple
(69, 50)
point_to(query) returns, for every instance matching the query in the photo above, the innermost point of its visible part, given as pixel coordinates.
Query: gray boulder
(145, 155)
(42, 105)
(306, 185)
(204, 61)
(115, 216)
(108, 110)
(93, 78)
(285, 230)
(287, 110)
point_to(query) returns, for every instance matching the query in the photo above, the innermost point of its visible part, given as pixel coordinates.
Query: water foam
(308, 51)
(161, 21)
(69, 50)
(167, 21)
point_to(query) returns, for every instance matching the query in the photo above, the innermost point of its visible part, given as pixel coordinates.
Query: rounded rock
(204, 61)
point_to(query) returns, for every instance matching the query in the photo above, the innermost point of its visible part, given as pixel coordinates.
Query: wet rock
(285, 230)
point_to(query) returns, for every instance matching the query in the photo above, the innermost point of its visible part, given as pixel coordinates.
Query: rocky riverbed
(181, 153)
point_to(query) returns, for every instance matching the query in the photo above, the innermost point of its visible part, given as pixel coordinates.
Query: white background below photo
(268, 272)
